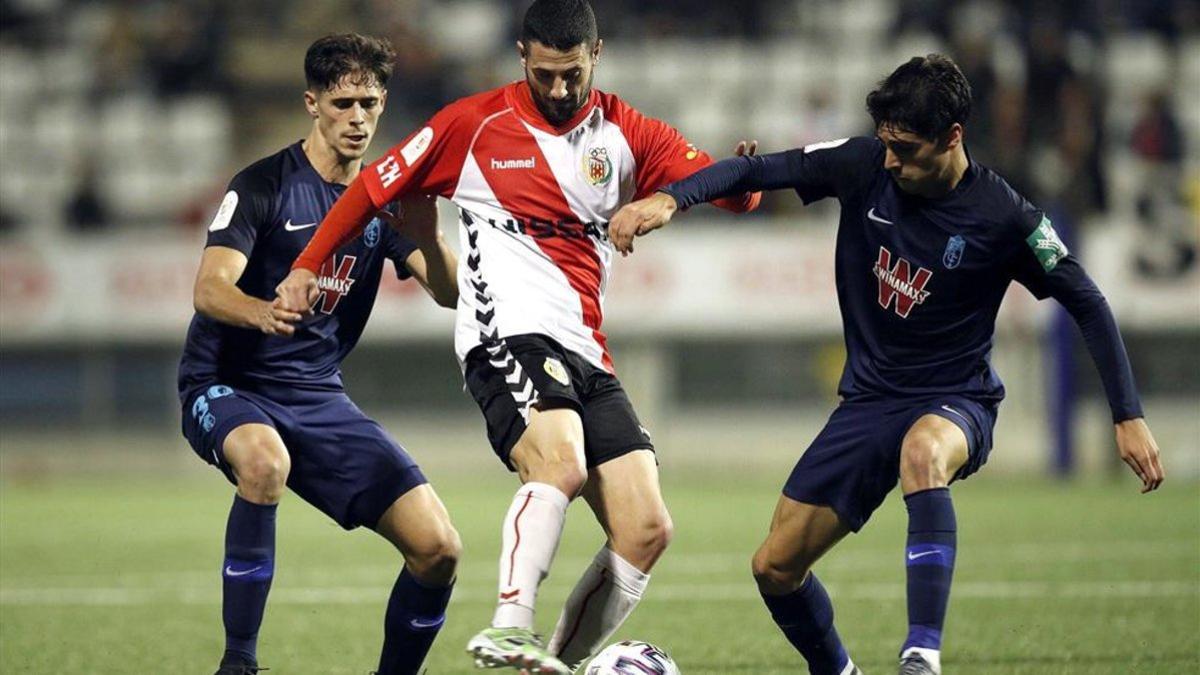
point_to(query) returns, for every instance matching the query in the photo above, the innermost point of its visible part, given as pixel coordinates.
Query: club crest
(597, 167)
(954, 252)
(554, 368)
(371, 234)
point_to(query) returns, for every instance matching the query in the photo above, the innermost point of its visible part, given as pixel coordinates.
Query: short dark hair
(926, 96)
(561, 24)
(368, 60)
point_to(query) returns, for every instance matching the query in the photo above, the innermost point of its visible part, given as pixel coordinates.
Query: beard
(558, 113)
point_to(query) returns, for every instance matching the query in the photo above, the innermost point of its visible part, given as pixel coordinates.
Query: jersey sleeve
(831, 169)
(429, 161)
(1044, 265)
(663, 156)
(246, 208)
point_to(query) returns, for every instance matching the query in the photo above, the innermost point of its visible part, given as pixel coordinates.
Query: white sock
(530, 537)
(932, 656)
(606, 594)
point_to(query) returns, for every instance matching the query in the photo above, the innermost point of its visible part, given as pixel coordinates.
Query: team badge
(954, 251)
(554, 368)
(1046, 245)
(371, 234)
(597, 167)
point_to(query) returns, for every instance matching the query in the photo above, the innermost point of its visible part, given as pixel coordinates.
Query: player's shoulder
(851, 149)
(996, 197)
(472, 110)
(264, 176)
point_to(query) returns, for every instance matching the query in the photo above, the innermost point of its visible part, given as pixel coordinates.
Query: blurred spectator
(1166, 245)
(85, 209)
(1156, 135)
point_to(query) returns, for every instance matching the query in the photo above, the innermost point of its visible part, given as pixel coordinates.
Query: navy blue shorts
(855, 461)
(343, 462)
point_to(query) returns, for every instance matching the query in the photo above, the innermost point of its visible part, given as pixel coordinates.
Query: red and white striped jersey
(534, 204)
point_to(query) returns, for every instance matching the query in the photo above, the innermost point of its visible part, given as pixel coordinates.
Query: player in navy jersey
(928, 242)
(261, 387)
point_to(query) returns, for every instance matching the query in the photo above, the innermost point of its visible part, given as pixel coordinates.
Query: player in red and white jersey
(537, 168)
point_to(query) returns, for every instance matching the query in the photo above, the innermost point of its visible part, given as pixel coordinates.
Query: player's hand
(640, 218)
(747, 148)
(274, 319)
(298, 291)
(1138, 450)
(418, 219)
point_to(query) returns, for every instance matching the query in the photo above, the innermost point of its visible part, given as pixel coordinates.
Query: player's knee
(774, 576)
(564, 470)
(263, 470)
(921, 462)
(653, 534)
(436, 560)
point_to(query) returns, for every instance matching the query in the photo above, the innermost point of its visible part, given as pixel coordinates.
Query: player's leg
(549, 460)
(932, 452)
(800, 534)
(418, 525)
(259, 461)
(625, 496)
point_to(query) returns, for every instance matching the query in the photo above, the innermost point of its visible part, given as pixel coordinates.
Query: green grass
(121, 576)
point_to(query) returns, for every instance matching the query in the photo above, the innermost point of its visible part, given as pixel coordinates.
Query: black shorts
(854, 462)
(534, 371)
(343, 462)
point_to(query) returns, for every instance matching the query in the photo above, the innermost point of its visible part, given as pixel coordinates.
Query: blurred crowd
(1046, 115)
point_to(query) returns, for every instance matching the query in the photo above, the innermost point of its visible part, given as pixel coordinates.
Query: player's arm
(1048, 270)
(428, 258)
(247, 205)
(217, 296)
(428, 162)
(816, 171)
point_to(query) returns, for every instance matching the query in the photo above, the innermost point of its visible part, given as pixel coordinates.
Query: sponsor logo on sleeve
(826, 145)
(416, 146)
(1046, 245)
(389, 171)
(224, 212)
(692, 152)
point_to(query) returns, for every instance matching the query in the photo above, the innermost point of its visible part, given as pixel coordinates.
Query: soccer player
(928, 242)
(260, 384)
(536, 168)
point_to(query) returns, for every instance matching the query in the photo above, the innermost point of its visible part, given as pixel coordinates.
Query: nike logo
(292, 228)
(230, 572)
(952, 410)
(872, 216)
(418, 624)
(914, 556)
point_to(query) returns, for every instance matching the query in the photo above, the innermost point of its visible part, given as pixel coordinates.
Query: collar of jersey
(521, 100)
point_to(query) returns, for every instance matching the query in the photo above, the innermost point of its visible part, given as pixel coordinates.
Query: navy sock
(415, 614)
(929, 558)
(806, 618)
(247, 572)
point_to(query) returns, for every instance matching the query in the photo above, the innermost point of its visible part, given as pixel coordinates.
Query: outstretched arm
(1071, 286)
(742, 174)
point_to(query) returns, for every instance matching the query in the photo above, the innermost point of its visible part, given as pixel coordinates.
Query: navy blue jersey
(270, 212)
(920, 281)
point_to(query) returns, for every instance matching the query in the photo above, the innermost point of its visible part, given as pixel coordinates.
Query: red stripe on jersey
(514, 167)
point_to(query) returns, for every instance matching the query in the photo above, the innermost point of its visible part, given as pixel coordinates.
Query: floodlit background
(122, 121)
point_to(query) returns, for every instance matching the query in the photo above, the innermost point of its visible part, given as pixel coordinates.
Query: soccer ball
(632, 658)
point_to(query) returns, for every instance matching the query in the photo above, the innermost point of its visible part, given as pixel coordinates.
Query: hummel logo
(872, 216)
(527, 163)
(914, 556)
(230, 572)
(292, 228)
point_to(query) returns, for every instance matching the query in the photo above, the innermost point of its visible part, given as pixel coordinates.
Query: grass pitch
(122, 576)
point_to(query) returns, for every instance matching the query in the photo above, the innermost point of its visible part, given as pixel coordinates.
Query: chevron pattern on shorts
(520, 385)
